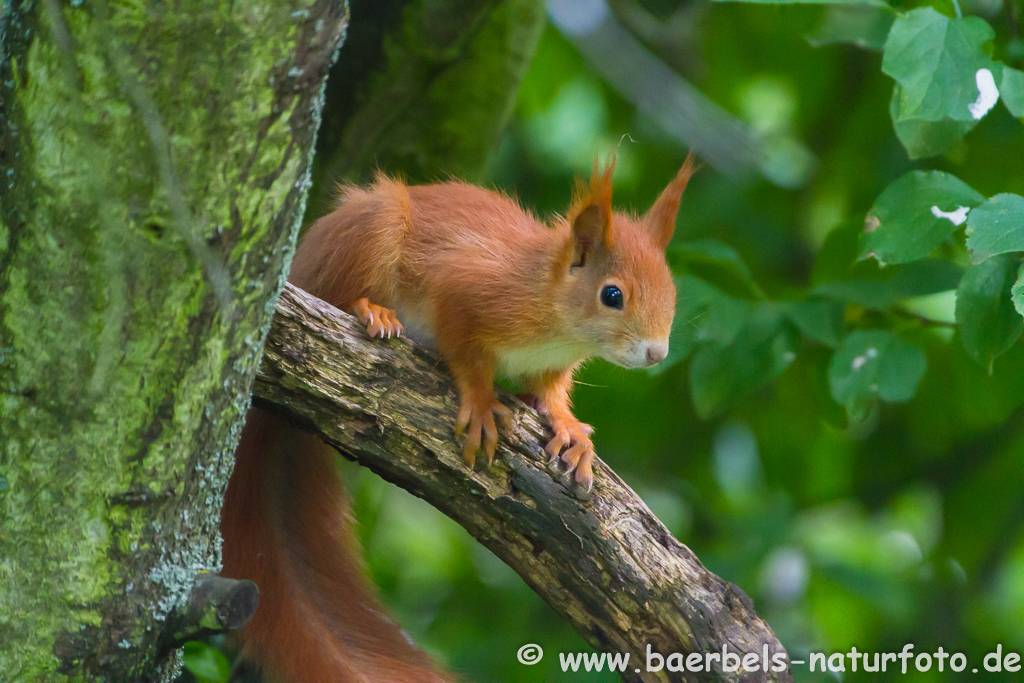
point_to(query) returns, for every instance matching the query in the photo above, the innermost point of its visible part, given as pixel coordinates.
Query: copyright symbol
(531, 653)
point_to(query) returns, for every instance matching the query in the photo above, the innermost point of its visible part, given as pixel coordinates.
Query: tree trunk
(606, 564)
(154, 158)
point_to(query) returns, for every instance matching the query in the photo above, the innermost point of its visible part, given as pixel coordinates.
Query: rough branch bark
(607, 564)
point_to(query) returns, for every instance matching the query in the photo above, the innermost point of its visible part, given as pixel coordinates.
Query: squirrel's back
(406, 246)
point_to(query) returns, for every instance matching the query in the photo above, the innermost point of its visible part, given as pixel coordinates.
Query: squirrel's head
(619, 294)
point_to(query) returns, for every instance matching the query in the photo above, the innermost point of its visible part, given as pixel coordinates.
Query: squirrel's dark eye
(611, 296)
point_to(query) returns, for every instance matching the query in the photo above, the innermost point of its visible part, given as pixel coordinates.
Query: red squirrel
(469, 272)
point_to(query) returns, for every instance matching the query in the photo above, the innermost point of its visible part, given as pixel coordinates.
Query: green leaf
(996, 227)
(935, 59)
(819, 319)
(985, 315)
(923, 139)
(875, 364)
(1017, 291)
(206, 663)
(914, 215)
(703, 314)
(720, 373)
(895, 283)
(864, 26)
(1011, 90)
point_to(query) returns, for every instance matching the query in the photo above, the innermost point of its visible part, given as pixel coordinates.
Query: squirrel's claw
(585, 473)
(580, 457)
(379, 321)
(560, 441)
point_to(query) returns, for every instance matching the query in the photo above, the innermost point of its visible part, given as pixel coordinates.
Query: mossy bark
(155, 159)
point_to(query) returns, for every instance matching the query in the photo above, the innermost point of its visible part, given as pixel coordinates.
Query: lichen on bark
(155, 160)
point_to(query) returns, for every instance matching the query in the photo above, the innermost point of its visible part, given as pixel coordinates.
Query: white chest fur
(512, 362)
(538, 358)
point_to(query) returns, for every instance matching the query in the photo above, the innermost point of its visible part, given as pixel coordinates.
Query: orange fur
(470, 272)
(286, 526)
(661, 218)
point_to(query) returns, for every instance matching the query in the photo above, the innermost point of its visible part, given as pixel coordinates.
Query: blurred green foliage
(825, 434)
(206, 664)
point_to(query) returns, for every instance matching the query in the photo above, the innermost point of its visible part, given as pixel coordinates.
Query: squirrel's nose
(656, 353)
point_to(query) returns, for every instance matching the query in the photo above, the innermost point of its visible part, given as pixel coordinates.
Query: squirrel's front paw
(479, 415)
(379, 321)
(574, 437)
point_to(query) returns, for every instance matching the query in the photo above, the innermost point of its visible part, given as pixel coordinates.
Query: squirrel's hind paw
(380, 322)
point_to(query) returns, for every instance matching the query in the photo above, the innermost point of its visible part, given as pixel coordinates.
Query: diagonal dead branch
(607, 565)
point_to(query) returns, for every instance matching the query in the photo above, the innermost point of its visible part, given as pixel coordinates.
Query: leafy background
(839, 427)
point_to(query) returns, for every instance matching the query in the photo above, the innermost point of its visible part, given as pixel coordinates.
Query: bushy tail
(286, 526)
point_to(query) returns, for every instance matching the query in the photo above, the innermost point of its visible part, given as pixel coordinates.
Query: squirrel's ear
(591, 214)
(660, 220)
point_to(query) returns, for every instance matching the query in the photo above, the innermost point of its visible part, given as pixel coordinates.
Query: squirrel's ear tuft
(660, 220)
(591, 213)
